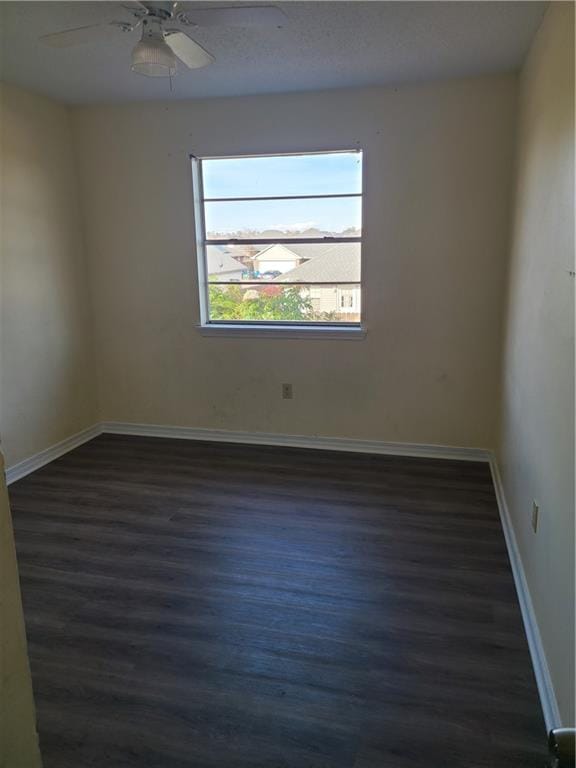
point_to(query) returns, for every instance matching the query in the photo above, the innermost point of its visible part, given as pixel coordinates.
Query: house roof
(337, 263)
(310, 250)
(219, 262)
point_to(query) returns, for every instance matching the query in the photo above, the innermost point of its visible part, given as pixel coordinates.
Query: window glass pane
(282, 262)
(284, 218)
(274, 302)
(331, 173)
(316, 281)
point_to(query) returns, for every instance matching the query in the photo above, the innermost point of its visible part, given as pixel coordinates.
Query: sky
(329, 173)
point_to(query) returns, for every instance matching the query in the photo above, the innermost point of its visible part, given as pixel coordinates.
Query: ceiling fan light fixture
(152, 57)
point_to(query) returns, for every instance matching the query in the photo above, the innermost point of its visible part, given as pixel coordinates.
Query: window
(348, 300)
(279, 239)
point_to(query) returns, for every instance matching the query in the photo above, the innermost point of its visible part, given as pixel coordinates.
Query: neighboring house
(276, 258)
(335, 263)
(221, 266)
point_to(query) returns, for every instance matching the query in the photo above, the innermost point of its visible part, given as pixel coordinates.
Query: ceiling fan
(163, 45)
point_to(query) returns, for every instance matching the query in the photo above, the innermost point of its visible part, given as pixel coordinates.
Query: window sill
(356, 333)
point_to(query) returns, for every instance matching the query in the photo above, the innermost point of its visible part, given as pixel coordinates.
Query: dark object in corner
(562, 745)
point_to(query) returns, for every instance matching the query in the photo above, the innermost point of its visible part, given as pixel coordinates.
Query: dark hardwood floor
(210, 605)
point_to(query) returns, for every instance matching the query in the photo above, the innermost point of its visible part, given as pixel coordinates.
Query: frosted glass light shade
(154, 58)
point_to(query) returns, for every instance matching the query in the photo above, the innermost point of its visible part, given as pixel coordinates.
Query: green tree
(266, 302)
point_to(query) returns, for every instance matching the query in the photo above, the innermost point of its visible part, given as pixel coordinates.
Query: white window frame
(280, 328)
(341, 292)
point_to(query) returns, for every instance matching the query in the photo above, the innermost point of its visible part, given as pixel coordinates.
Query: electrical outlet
(287, 392)
(535, 514)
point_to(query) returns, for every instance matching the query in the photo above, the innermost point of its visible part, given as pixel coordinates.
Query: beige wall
(47, 388)
(438, 162)
(537, 433)
(18, 738)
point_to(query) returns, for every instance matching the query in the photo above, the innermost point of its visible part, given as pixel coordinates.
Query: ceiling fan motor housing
(161, 11)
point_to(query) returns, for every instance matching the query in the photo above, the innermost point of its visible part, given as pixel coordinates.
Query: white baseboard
(38, 460)
(298, 441)
(539, 662)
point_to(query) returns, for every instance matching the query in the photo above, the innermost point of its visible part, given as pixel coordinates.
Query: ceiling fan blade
(76, 36)
(238, 16)
(188, 51)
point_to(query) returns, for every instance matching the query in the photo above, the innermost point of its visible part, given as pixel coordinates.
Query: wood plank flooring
(222, 606)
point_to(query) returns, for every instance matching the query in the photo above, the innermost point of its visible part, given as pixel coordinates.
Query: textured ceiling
(321, 45)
